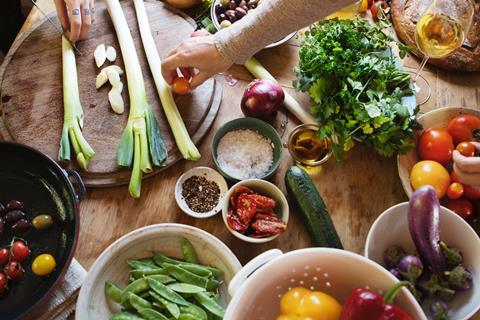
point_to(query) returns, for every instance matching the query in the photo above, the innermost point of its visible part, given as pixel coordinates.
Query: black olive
(15, 205)
(14, 215)
(231, 15)
(246, 8)
(2, 209)
(252, 4)
(219, 9)
(21, 225)
(238, 2)
(222, 17)
(240, 13)
(232, 5)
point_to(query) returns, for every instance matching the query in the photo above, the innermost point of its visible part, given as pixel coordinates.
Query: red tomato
(181, 85)
(375, 8)
(4, 255)
(435, 144)
(455, 191)
(464, 127)
(466, 149)
(20, 251)
(462, 207)
(14, 270)
(3, 284)
(469, 192)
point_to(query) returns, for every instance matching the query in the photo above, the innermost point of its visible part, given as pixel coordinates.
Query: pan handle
(78, 182)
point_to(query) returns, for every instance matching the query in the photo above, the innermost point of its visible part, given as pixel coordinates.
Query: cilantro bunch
(356, 88)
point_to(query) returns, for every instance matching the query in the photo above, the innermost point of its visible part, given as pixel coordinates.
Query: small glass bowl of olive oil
(306, 148)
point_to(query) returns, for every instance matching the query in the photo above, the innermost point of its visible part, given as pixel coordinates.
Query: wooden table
(355, 191)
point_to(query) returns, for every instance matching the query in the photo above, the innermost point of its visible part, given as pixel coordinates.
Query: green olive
(225, 24)
(42, 221)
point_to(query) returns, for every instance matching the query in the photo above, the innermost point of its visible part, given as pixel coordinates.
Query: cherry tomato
(469, 192)
(3, 284)
(43, 264)
(20, 251)
(4, 255)
(435, 144)
(464, 127)
(375, 8)
(455, 191)
(14, 270)
(430, 173)
(181, 85)
(462, 207)
(466, 149)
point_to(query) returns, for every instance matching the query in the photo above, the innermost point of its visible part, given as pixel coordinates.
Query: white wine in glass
(439, 32)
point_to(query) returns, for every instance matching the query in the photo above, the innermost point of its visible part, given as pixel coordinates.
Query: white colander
(258, 287)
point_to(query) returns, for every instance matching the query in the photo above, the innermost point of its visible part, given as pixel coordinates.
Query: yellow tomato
(430, 173)
(362, 8)
(43, 264)
(302, 304)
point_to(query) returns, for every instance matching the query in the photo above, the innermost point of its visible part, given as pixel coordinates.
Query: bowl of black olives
(224, 13)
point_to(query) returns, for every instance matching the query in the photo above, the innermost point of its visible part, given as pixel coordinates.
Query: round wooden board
(31, 105)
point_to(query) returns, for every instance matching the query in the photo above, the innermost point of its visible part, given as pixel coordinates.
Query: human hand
(467, 168)
(76, 16)
(198, 52)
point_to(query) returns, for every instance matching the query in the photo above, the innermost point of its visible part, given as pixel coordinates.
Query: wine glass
(440, 30)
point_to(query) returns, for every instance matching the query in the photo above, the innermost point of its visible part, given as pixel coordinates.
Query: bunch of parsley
(356, 89)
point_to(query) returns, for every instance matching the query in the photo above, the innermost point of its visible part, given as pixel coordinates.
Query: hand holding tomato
(467, 168)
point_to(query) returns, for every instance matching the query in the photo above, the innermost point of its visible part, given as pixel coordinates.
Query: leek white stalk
(142, 134)
(259, 72)
(73, 112)
(185, 144)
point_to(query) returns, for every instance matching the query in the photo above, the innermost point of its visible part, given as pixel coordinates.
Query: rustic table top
(355, 191)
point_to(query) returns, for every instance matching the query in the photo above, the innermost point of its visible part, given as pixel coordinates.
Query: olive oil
(307, 147)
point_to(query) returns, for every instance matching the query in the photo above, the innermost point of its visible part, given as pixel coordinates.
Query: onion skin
(424, 226)
(262, 99)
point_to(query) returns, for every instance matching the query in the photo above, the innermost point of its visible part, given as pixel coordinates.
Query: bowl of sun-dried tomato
(255, 211)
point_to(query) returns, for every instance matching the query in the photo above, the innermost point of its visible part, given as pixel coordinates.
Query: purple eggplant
(431, 285)
(396, 273)
(393, 255)
(438, 310)
(411, 268)
(424, 225)
(460, 278)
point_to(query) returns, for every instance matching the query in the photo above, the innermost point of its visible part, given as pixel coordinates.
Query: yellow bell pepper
(302, 304)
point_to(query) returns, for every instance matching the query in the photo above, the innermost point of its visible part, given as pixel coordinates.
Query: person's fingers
(476, 144)
(62, 14)
(199, 33)
(75, 20)
(170, 65)
(468, 178)
(199, 78)
(187, 72)
(92, 10)
(86, 19)
(466, 164)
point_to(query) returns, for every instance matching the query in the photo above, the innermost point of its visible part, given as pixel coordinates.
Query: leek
(259, 72)
(141, 142)
(73, 112)
(185, 144)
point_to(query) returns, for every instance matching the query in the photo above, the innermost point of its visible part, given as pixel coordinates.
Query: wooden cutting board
(31, 99)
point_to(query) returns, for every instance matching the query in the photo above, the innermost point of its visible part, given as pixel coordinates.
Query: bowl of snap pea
(159, 272)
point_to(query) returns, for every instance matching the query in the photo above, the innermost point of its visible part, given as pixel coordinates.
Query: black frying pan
(30, 176)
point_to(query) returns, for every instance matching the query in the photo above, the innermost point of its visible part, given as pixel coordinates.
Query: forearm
(271, 21)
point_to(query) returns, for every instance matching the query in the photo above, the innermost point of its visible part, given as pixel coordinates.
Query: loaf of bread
(405, 14)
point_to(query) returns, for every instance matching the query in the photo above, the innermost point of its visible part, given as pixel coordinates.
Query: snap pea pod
(193, 310)
(138, 302)
(198, 270)
(209, 303)
(166, 292)
(113, 292)
(171, 307)
(142, 264)
(187, 316)
(162, 278)
(151, 314)
(188, 277)
(188, 251)
(160, 259)
(136, 286)
(125, 315)
(185, 288)
(138, 273)
(145, 295)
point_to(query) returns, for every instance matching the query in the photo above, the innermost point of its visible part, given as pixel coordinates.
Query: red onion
(262, 99)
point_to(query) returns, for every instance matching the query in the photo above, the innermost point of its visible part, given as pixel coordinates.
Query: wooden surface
(355, 191)
(31, 104)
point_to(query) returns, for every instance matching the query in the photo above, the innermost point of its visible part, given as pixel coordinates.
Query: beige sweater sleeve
(271, 21)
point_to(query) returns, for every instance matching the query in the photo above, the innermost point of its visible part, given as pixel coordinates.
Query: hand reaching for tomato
(467, 168)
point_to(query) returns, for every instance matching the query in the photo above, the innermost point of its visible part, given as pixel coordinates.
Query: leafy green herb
(356, 88)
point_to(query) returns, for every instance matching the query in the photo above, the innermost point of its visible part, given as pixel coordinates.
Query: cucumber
(306, 198)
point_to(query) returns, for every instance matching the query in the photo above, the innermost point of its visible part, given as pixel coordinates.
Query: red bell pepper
(365, 304)
(464, 127)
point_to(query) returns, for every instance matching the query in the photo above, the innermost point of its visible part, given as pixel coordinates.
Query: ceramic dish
(391, 228)
(112, 263)
(255, 125)
(267, 189)
(209, 174)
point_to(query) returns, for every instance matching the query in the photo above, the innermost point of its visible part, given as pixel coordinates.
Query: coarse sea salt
(245, 154)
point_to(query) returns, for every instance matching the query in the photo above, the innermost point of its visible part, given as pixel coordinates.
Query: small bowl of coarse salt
(246, 148)
(199, 192)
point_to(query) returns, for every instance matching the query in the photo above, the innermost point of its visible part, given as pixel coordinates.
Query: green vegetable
(73, 112)
(209, 303)
(166, 292)
(188, 277)
(113, 292)
(142, 264)
(185, 288)
(151, 314)
(160, 259)
(141, 142)
(355, 86)
(136, 286)
(306, 198)
(198, 270)
(170, 306)
(138, 273)
(193, 310)
(138, 302)
(188, 251)
(125, 315)
(161, 278)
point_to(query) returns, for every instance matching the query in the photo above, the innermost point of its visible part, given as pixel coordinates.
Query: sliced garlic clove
(113, 67)
(115, 98)
(113, 77)
(111, 53)
(102, 78)
(100, 55)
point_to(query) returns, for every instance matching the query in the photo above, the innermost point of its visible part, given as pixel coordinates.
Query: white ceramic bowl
(112, 263)
(209, 174)
(258, 287)
(264, 188)
(391, 228)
